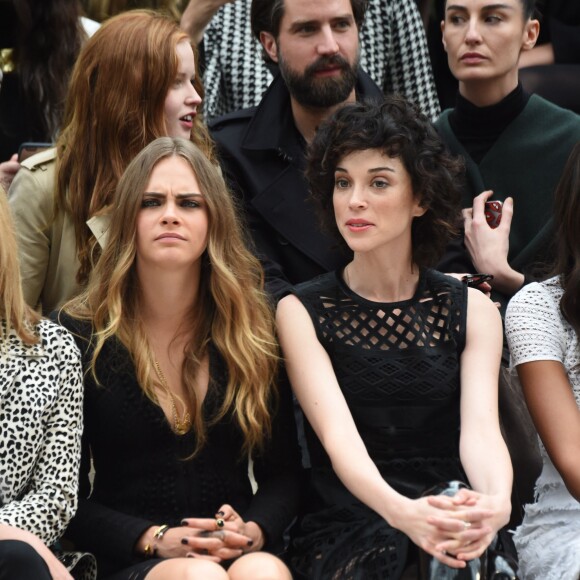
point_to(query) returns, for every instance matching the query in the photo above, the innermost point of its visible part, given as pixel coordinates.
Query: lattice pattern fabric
(548, 541)
(398, 367)
(393, 52)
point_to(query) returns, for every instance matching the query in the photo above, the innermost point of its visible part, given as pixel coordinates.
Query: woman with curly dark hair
(394, 364)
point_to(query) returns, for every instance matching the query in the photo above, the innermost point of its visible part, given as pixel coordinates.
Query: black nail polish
(221, 514)
(184, 541)
(184, 523)
(250, 542)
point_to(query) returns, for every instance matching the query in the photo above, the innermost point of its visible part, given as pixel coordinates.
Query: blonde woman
(178, 344)
(40, 427)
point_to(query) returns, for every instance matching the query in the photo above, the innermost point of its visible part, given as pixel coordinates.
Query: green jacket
(525, 163)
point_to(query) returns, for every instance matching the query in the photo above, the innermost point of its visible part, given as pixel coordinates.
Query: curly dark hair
(398, 129)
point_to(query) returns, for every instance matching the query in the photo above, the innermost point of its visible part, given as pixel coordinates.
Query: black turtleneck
(478, 128)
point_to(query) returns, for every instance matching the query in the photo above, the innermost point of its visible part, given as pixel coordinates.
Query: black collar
(478, 128)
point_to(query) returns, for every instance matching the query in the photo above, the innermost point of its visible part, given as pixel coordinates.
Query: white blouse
(548, 541)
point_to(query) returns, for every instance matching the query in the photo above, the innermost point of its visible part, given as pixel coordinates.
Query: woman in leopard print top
(40, 427)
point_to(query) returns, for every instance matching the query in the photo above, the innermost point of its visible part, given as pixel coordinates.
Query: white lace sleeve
(534, 327)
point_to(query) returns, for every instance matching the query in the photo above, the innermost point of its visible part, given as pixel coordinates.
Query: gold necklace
(180, 426)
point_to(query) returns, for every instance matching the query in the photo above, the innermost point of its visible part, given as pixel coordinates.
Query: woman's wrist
(197, 15)
(507, 281)
(503, 506)
(147, 544)
(396, 509)
(254, 532)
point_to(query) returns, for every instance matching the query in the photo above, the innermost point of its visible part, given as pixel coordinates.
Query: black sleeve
(279, 474)
(106, 532)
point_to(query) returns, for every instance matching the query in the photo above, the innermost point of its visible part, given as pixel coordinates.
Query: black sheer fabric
(398, 367)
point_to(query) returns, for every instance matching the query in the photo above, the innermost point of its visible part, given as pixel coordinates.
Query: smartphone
(493, 213)
(475, 280)
(27, 150)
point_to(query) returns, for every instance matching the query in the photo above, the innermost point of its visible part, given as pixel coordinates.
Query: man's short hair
(266, 16)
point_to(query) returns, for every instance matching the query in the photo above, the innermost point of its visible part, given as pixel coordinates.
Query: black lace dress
(398, 367)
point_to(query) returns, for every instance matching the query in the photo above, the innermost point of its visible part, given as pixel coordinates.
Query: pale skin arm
(56, 568)
(540, 55)
(315, 385)
(488, 247)
(483, 452)
(556, 416)
(197, 15)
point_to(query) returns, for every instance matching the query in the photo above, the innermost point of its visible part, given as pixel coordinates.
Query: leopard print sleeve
(41, 424)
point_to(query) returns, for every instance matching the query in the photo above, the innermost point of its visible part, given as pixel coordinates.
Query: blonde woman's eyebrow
(156, 194)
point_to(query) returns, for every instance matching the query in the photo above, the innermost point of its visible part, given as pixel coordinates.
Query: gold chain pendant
(180, 426)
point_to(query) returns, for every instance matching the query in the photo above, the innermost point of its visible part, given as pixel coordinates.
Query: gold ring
(220, 522)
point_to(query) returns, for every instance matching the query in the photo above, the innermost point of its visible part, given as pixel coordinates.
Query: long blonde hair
(231, 310)
(114, 107)
(13, 308)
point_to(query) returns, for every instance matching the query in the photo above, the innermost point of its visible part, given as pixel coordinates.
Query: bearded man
(315, 44)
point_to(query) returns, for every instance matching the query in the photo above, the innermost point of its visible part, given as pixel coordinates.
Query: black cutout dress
(397, 365)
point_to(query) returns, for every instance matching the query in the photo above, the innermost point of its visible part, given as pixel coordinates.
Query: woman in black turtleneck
(514, 145)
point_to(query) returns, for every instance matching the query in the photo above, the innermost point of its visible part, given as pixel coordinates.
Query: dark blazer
(263, 158)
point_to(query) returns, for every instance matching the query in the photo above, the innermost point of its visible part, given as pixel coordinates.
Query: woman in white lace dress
(542, 327)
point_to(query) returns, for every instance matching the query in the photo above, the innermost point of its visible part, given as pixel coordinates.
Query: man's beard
(320, 92)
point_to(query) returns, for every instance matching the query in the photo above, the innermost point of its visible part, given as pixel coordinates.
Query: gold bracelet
(149, 551)
(160, 531)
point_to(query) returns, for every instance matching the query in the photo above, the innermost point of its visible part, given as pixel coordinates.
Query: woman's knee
(259, 566)
(187, 569)
(20, 560)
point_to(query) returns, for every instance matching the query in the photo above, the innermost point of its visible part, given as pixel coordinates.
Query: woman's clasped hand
(469, 524)
(226, 537)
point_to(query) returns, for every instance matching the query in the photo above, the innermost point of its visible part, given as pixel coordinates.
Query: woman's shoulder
(33, 187)
(55, 342)
(537, 294)
(80, 330)
(436, 278)
(534, 325)
(444, 285)
(314, 287)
